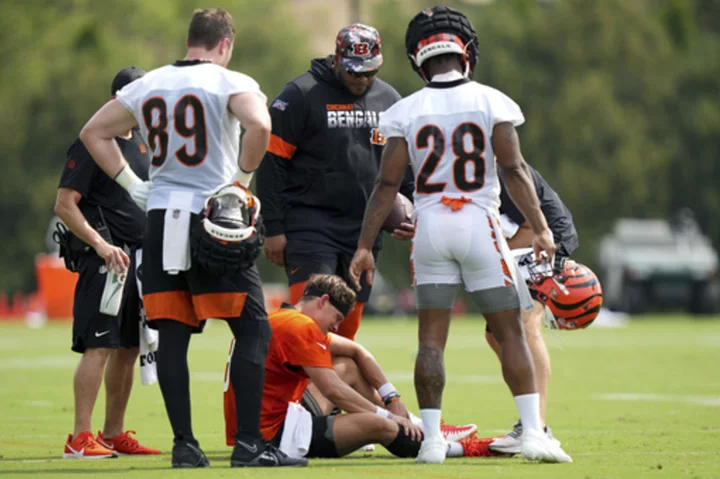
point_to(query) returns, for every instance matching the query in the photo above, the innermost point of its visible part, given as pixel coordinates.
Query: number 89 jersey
(182, 110)
(448, 127)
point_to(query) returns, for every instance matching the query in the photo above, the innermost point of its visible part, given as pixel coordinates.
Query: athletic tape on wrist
(383, 412)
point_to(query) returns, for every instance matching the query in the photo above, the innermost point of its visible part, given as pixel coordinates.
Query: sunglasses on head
(369, 74)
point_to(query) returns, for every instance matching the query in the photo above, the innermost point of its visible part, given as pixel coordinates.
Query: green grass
(670, 428)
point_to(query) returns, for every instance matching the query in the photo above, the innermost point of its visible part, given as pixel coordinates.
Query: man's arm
(520, 185)
(66, 207)
(371, 371)
(369, 367)
(522, 237)
(252, 112)
(337, 391)
(99, 133)
(393, 165)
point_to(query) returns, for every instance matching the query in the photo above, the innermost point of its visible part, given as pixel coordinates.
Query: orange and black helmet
(573, 295)
(438, 31)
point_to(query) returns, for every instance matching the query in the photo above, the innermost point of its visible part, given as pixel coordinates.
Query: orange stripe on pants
(175, 305)
(219, 305)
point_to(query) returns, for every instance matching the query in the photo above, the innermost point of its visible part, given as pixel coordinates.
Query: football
(401, 212)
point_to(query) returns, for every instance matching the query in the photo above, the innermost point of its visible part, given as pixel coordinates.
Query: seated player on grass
(344, 375)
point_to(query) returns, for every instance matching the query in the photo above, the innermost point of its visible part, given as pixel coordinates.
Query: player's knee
(403, 445)
(346, 368)
(126, 355)
(251, 339)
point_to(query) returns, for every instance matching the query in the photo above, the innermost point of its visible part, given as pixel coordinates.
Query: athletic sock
(247, 374)
(454, 449)
(529, 408)
(431, 422)
(174, 376)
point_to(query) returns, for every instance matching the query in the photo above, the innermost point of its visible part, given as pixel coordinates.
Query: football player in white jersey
(450, 132)
(190, 114)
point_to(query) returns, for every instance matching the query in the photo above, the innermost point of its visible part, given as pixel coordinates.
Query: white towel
(526, 301)
(149, 338)
(297, 431)
(176, 239)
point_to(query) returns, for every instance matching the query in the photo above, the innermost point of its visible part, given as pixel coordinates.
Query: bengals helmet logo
(376, 138)
(361, 48)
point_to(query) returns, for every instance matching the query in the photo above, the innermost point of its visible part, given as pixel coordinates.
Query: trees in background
(621, 98)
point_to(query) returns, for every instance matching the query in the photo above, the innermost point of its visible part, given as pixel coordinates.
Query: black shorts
(322, 443)
(91, 328)
(304, 258)
(195, 295)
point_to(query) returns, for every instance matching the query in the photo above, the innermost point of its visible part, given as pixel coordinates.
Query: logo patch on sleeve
(280, 105)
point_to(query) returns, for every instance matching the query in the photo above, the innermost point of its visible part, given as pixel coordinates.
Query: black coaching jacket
(323, 158)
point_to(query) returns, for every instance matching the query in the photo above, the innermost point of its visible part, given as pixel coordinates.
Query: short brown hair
(339, 292)
(209, 27)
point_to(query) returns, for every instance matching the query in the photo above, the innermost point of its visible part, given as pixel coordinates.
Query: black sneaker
(188, 455)
(270, 457)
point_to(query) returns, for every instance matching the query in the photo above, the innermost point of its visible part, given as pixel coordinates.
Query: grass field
(643, 401)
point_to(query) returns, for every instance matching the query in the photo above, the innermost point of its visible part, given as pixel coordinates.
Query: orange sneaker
(125, 444)
(479, 447)
(84, 446)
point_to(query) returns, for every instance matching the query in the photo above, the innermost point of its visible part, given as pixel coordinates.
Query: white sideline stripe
(40, 403)
(407, 376)
(42, 362)
(651, 397)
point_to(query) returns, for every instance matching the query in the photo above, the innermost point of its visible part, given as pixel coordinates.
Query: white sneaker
(511, 443)
(537, 446)
(432, 450)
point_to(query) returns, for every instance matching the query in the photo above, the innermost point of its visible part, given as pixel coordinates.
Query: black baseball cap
(125, 76)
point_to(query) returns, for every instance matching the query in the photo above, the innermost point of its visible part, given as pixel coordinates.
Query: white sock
(431, 422)
(416, 420)
(454, 449)
(529, 408)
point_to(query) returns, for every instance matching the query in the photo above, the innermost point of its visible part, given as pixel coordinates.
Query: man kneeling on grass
(344, 375)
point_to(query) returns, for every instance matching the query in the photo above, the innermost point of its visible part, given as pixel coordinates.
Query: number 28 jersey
(182, 110)
(448, 127)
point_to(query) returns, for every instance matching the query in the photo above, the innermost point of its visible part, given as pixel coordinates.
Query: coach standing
(105, 225)
(322, 162)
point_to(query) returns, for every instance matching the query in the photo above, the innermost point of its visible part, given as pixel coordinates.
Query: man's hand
(411, 429)
(275, 249)
(362, 263)
(406, 232)
(115, 258)
(398, 408)
(544, 246)
(139, 193)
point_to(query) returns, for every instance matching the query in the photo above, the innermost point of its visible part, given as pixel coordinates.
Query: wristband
(387, 400)
(383, 412)
(386, 389)
(127, 177)
(243, 177)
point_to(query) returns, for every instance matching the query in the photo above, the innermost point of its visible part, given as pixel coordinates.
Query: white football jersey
(448, 127)
(182, 110)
